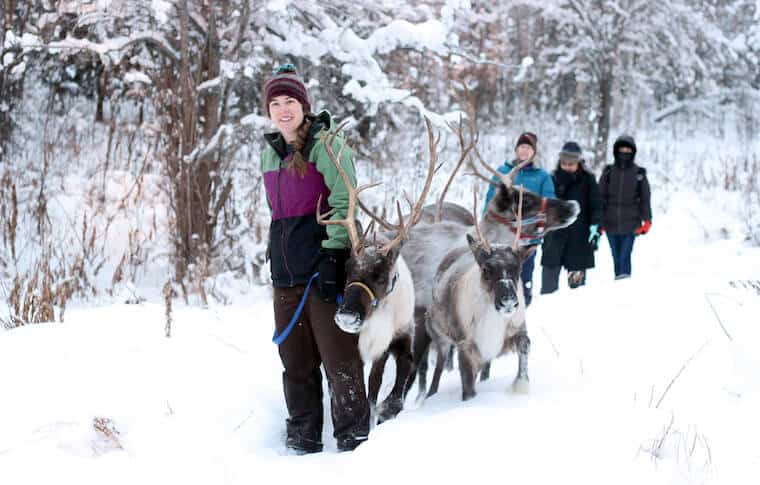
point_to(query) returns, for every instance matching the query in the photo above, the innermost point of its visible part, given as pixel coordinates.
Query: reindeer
(378, 299)
(429, 243)
(478, 306)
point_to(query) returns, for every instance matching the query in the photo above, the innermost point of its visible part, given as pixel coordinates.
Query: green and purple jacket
(295, 237)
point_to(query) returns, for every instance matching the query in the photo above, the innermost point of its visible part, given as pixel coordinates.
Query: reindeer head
(371, 271)
(539, 214)
(500, 267)
(371, 277)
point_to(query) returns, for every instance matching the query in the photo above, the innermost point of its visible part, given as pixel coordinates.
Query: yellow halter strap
(366, 288)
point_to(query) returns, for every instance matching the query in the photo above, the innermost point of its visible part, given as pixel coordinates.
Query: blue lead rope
(278, 339)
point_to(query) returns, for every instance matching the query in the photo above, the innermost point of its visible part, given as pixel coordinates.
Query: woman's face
(524, 152)
(287, 115)
(570, 166)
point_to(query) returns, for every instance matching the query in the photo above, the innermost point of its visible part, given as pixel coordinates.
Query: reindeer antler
(506, 179)
(464, 151)
(482, 238)
(349, 222)
(516, 242)
(404, 228)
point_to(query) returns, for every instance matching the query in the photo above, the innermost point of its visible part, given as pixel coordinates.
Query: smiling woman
(298, 172)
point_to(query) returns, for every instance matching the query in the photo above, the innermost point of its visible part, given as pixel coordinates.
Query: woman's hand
(332, 273)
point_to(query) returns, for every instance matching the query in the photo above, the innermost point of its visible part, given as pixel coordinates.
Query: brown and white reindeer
(430, 242)
(479, 308)
(378, 299)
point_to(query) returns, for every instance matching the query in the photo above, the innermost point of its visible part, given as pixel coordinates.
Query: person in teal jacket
(534, 179)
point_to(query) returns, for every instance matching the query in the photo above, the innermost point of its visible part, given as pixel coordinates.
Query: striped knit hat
(286, 81)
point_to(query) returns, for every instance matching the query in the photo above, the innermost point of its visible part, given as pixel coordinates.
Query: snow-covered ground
(655, 379)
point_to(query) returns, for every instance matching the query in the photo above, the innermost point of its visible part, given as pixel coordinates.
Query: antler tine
(416, 215)
(512, 173)
(369, 230)
(349, 222)
(482, 238)
(464, 152)
(506, 180)
(516, 243)
(375, 218)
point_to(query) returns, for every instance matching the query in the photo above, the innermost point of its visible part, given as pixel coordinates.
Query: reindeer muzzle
(506, 301)
(349, 322)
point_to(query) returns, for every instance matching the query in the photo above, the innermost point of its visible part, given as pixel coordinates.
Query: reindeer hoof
(390, 410)
(521, 386)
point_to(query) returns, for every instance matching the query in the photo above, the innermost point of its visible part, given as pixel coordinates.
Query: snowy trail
(206, 405)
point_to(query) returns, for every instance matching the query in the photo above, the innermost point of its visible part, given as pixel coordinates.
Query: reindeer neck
(495, 231)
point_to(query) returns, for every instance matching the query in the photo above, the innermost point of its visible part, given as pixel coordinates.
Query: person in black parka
(627, 209)
(572, 247)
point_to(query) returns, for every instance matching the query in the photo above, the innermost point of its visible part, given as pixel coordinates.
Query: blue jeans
(527, 278)
(622, 247)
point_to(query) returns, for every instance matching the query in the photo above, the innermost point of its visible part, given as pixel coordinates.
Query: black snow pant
(550, 279)
(315, 340)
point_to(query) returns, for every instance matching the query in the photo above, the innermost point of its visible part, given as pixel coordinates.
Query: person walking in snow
(296, 171)
(534, 179)
(572, 247)
(627, 211)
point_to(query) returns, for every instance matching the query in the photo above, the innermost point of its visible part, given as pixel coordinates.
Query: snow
(655, 379)
(137, 77)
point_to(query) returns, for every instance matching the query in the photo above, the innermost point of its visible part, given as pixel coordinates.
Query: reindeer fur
(464, 315)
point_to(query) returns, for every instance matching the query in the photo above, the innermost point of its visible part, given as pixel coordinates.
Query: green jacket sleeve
(261, 171)
(337, 237)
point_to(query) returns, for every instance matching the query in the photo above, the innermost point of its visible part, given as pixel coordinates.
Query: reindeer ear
(477, 248)
(474, 246)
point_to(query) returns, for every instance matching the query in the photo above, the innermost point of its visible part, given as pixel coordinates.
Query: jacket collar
(322, 121)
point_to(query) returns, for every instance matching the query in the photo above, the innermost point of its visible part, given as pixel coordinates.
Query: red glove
(644, 228)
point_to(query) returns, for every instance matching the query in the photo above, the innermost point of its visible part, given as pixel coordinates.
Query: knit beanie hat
(571, 151)
(528, 138)
(287, 82)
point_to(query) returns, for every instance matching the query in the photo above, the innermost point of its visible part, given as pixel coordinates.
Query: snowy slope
(649, 380)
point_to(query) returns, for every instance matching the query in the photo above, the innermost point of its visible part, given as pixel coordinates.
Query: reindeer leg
(394, 403)
(420, 351)
(485, 372)
(469, 360)
(521, 383)
(441, 351)
(376, 378)
(450, 359)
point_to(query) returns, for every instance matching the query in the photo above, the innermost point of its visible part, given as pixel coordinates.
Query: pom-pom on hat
(287, 82)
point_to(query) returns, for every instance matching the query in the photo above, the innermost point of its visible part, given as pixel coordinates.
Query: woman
(534, 179)
(297, 170)
(627, 211)
(572, 247)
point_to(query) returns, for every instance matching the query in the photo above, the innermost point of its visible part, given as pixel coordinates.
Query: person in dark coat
(627, 210)
(297, 171)
(572, 247)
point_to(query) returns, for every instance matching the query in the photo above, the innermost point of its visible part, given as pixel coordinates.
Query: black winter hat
(571, 151)
(624, 141)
